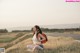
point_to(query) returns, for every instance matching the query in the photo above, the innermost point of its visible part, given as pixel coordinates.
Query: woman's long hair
(39, 31)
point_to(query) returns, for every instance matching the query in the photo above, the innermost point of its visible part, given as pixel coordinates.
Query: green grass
(9, 39)
(6, 40)
(9, 45)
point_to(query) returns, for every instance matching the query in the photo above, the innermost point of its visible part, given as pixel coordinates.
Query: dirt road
(75, 36)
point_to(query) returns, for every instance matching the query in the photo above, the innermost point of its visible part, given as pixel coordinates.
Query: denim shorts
(41, 46)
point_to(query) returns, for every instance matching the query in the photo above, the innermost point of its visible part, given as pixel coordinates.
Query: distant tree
(21, 30)
(3, 30)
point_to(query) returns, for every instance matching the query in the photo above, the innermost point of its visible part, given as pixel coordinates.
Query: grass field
(57, 43)
(54, 45)
(7, 38)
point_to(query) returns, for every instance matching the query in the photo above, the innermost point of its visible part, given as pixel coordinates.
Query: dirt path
(75, 36)
(14, 42)
(15, 45)
(77, 41)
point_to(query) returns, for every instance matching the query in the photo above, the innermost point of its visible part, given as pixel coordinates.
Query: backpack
(44, 41)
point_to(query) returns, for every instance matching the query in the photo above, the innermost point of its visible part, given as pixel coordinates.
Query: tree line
(3, 30)
(60, 30)
(51, 30)
(44, 30)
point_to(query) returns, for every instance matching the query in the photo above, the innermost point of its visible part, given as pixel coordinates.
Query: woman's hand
(38, 43)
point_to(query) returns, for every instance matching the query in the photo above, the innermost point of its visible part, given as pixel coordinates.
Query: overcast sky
(15, 13)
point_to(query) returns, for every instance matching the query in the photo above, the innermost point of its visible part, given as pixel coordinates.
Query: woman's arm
(41, 36)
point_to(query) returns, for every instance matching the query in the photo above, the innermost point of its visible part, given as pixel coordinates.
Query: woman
(36, 41)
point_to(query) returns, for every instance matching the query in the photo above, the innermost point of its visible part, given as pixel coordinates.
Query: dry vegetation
(78, 32)
(54, 45)
(58, 44)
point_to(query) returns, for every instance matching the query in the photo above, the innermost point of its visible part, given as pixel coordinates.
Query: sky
(16, 13)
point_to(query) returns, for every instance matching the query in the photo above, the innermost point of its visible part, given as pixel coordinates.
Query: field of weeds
(57, 42)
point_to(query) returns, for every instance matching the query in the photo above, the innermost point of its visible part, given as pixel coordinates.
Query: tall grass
(55, 45)
(73, 48)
